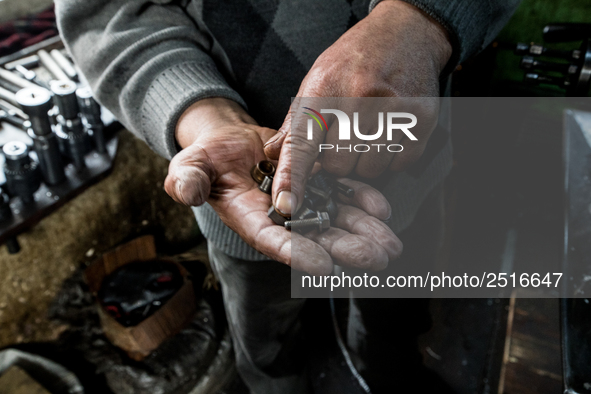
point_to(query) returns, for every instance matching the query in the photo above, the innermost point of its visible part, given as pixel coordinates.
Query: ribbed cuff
(465, 21)
(171, 93)
(226, 240)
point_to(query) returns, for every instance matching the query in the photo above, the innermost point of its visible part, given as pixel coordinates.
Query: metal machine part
(47, 61)
(261, 170)
(29, 61)
(6, 214)
(277, 217)
(91, 117)
(569, 70)
(12, 119)
(267, 185)
(12, 110)
(30, 75)
(22, 173)
(36, 103)
(7, 95)
(64, 64)
(69, 129)
(16, 80)
(320, 223)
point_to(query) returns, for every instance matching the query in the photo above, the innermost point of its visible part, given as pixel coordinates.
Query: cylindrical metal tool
(91, 117)
(29, 61)
(14, 79)
(7, 95)
(36, 103)
(64, 64)
(30, 75)
(12, 119)
(69, 128)
(5, 215)
(22, 172)
(47, 61)
(12, 110)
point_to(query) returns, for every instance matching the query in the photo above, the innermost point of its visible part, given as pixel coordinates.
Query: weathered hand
(221, 143)
(397, 51)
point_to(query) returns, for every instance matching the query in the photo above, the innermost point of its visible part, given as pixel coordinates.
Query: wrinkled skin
(397, 51)
(221, 143)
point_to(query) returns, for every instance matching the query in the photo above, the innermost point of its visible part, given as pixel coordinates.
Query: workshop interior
(106, 284)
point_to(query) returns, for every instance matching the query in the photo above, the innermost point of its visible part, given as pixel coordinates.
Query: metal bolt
(345, 190)
(276, 216)
(322, 222)
(267, 185)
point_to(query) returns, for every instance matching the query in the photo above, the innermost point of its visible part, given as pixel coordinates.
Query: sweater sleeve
(146, 61)
(471, 24)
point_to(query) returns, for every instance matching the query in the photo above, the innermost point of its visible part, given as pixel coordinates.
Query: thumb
(190, 175)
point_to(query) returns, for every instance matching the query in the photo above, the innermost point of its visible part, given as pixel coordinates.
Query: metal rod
(15, 79)
(65, 64)
(7, 95)
(5, 105)
(29, 61)
(50, 64)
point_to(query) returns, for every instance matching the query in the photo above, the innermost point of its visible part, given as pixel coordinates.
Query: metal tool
(64, 64)
(91, 117)
(29, 61)
(16, 80)
(261, 170)
(22, 172)
(267, 185)
(30, 75)
(575, 75)
(320, 223)
(12, 119)
(7, 95)
(69, 129)
(5, 215)
(47, 61)
(36, 102)
(12, 110)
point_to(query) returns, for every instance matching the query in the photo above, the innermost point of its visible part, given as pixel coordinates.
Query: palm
(216, 169)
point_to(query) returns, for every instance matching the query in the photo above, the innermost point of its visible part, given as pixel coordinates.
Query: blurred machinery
(567, 69)
(56, 139)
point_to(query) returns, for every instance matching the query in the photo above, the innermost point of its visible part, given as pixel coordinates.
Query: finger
(190, 176)
(349, 250)
(367, 198)
(266, 134)
(373, 163)
(356, 221)
(268, 238)
(426, 109)
(341, 159)
(298, 154)
(273, 146)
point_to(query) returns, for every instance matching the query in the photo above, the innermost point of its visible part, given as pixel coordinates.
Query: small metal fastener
(321, 222)
(305, 213)
(315, 192)
(267, 185)
(277, 217)
(332, 209)
(345, 190)
(261, 170)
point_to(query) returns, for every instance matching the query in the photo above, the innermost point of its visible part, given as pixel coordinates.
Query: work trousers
(265, 322)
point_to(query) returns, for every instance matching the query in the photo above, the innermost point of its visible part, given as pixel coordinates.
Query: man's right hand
(221, 143)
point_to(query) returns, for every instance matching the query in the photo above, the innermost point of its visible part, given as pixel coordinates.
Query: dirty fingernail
(285, 202)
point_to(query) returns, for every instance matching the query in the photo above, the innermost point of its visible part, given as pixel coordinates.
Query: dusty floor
(130, 201)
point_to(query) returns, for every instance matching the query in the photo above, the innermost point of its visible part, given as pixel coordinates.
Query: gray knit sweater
(149, 60)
